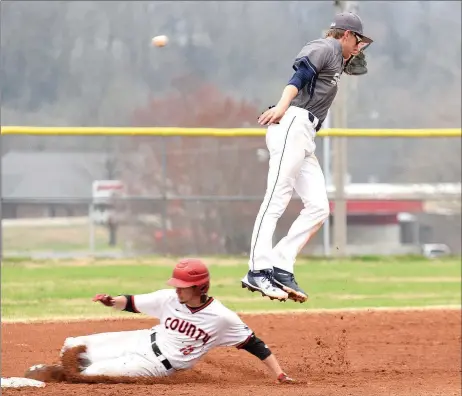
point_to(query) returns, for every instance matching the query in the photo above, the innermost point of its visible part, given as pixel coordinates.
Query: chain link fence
(200, 196)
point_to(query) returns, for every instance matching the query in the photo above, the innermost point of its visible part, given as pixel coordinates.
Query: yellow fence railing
(222, 132)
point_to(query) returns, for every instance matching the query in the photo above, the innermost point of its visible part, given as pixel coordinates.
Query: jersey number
(335, 80)
(187, 350)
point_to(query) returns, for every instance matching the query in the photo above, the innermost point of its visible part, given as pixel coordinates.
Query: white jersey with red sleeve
(185, 334)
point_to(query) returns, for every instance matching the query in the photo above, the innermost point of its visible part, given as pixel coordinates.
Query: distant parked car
(434, 250)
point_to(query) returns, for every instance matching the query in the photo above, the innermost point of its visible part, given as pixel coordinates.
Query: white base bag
(19, 382)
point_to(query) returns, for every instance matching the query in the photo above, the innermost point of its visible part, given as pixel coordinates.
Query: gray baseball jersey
(324, 57)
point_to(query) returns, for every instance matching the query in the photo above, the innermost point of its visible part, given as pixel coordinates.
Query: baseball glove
(357, 65)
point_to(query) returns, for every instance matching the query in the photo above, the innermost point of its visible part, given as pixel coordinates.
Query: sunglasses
(357, 37)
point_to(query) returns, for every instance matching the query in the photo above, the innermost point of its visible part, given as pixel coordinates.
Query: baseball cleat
(46, 373)
(286, 280)
(263, 282)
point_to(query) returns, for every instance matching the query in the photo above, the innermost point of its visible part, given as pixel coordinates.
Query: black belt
(312, 118)
(157, 352)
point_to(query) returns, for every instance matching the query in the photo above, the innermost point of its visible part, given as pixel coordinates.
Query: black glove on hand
(356, 65)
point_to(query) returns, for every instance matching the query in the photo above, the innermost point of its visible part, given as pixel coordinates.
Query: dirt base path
(378, 353)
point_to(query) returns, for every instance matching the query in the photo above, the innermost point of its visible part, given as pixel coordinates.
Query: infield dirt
(373, 353)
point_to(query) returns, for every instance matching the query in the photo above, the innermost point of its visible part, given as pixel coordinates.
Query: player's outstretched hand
(104, 299)
(271, 116)
(285, 379)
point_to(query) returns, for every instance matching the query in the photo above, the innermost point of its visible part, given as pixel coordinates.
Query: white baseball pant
(125, 353)
(292, 166)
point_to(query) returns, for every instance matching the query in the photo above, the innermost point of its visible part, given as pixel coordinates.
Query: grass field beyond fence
(56, 238)
(63, 289)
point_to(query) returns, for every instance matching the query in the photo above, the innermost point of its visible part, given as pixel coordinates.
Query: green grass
(53, 238)
(49, 289)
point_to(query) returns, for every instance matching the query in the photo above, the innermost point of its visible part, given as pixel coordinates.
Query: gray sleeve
(314, 55)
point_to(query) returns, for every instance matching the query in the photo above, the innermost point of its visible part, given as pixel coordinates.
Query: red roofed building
(386, 216)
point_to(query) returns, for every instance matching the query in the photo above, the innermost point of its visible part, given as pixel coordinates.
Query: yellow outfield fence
(222, 132)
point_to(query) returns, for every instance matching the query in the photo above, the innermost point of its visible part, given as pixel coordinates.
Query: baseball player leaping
(191, 324)
(292, 126)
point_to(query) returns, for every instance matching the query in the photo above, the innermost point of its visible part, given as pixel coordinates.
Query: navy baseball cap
(351, 22)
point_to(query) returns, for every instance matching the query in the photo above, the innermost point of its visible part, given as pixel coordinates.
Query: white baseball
(160, 41)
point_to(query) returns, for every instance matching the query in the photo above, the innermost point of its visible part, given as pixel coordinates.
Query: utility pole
(339, 162)
(1, 202)
(326, 157)
(339, 147)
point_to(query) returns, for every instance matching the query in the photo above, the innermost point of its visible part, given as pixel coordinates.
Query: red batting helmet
(191, 272)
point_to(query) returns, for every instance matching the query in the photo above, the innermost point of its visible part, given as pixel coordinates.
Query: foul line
(74, 319)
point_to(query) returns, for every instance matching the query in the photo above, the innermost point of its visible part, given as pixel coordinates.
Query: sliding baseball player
(191, 324)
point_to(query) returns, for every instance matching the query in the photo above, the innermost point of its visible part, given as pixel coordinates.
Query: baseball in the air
(159, 41)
